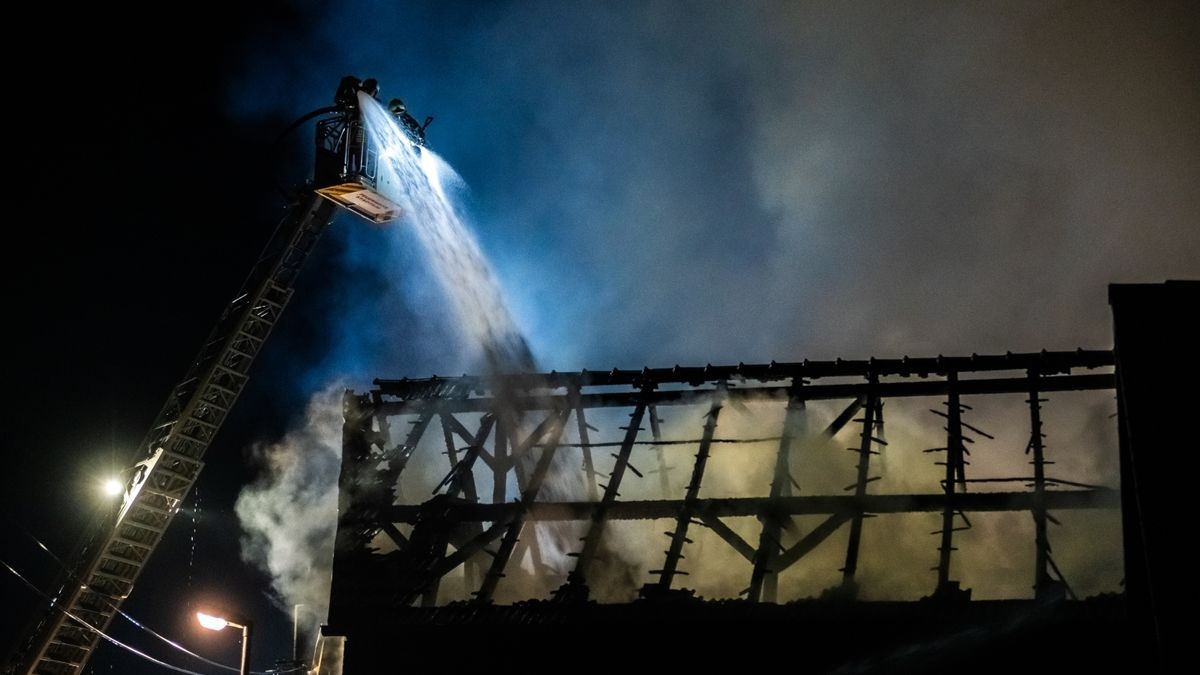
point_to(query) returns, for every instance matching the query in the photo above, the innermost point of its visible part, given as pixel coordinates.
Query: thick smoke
(994, 556)
(676, 182)
(289, 513)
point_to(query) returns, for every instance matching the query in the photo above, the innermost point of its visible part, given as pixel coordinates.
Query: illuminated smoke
(994, 556)
(289, 513)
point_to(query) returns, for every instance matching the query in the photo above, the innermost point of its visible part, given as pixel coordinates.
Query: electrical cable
(126, 616)
(99, 632)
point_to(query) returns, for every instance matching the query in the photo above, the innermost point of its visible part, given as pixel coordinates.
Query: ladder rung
(130, 542)
(71, 645)
(71, 630)
(183, 458)
(138, 504)
(172, 472)
(196, 439)
(73, 664)
(157, 529)
(265, 315)
(81, 627)
(219, 407)
(265, 326)
(235, 350)
(91, 618)
(175, 493)
(264, 298)
(148, 526)
(230, 371)
(224, 390)
(236, 364)
(109, 575)
(197, 420)
(120, 558)
(185, 446)
(248, 336)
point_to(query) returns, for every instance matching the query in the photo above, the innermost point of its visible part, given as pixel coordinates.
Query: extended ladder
(103, 571)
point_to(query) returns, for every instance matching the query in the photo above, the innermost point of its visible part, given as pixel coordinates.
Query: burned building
(501, 556)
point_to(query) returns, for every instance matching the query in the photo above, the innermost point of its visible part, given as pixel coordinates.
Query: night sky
(655, 183)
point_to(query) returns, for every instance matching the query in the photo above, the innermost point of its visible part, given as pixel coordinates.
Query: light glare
(112, 487)
(211, 622)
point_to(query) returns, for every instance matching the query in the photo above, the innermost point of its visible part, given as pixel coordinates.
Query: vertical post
(591, 540)
(1041, 577)
(664, 483)
(683, 519)
(362, 489)
(500, 464)
(357, 496)
(471, 568)
(296, 632)
(245, 669)
(459, 477)
(468, 485)
(870, 409)
(763, 580)
(528, 495)
(954, 459)
(585, 442)
(508, 456)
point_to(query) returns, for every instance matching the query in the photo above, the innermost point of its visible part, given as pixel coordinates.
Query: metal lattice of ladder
(103, 572)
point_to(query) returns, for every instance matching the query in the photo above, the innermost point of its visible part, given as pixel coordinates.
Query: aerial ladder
(102, 572)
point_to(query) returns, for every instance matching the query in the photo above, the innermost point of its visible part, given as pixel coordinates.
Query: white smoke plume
(289, 513)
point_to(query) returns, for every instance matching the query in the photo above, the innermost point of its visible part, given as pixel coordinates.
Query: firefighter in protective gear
(400, 112)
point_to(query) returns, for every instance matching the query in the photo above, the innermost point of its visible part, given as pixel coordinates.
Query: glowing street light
(113, 487)
(213, 622)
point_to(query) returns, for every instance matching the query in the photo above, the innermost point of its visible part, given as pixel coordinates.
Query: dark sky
(656, 183)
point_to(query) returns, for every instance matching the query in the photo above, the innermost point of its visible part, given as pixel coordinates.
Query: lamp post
(213, 622)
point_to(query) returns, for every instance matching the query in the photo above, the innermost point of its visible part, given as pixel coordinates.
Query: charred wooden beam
(901, 389)
(1044, 362)
(733, 507)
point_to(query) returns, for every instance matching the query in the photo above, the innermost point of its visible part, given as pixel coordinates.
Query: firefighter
(400, 111)
(347, 92)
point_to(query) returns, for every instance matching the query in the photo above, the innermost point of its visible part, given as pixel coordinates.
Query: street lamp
(213, 622)
(113, 487)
